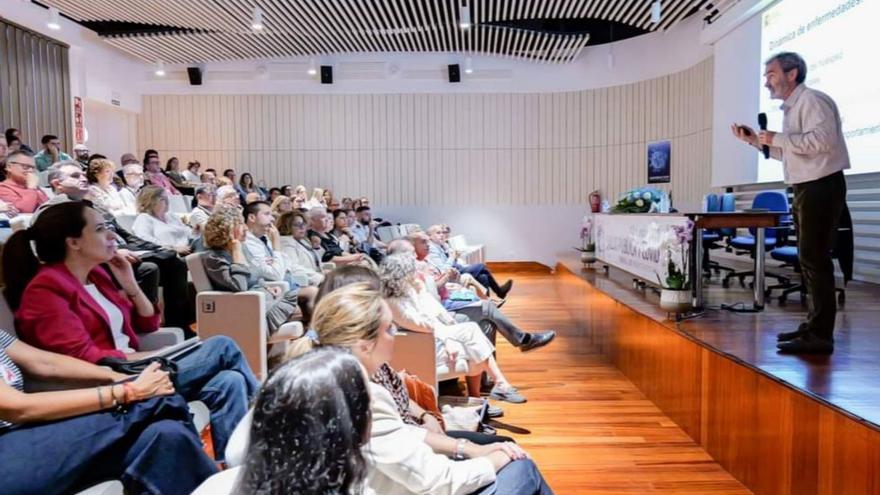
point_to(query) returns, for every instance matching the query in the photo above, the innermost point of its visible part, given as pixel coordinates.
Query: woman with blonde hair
(317, 199)
(156, 224)
(404, 459)
(280, 206)
(101, 188)
(415, 309)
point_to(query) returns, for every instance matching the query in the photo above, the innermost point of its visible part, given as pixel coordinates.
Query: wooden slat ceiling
(193, 31)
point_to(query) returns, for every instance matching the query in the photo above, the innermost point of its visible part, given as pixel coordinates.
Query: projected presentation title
(818, 21)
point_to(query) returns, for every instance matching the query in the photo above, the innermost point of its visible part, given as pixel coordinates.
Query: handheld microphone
(762, 123)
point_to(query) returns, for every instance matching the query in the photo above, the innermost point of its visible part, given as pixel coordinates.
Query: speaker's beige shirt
(811, 144)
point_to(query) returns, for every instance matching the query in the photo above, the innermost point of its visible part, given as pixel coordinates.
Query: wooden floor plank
(589, 428)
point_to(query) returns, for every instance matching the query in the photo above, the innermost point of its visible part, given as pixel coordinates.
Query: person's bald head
(400, 246)
(127, 159)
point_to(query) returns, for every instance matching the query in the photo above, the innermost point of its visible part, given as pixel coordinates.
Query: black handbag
(127, 367)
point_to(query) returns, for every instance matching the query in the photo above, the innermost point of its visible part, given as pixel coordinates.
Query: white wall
(112, 131)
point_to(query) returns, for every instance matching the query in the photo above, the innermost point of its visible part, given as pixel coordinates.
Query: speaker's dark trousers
(817, 208)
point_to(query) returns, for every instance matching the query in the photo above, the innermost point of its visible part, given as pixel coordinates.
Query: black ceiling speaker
(195, 75)
(454, 73)
(326, 74)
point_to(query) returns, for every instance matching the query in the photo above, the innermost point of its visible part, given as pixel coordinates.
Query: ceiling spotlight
(54, 19)
(464, 17)
(313, 69)
(257, 19)
(468, 66)
(656, 12)
(160, 68)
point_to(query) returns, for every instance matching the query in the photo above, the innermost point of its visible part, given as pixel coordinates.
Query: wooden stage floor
(590, 430)
(846, 380)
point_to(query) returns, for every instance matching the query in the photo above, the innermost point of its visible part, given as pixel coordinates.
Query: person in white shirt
(415, 309)
(133, 174)
(191, 174)
(406, 459)
(156, 224)
(205, 199)
(102, 190)
(262, 247)
(296, 248)
(813, 151)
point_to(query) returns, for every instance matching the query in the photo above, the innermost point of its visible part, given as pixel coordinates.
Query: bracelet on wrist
(100, 399)
(459, 450)
(422, 417)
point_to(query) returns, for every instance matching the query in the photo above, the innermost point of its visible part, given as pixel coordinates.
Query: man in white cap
(81, 154)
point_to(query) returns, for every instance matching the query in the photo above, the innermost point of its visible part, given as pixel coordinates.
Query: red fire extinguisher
(595, 201)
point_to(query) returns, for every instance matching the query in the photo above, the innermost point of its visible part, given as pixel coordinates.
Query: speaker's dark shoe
(788, 336)
(504, 289)
(806, 345)
(536, 340)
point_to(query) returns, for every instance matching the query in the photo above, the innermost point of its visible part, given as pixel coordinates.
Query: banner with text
(635, 243)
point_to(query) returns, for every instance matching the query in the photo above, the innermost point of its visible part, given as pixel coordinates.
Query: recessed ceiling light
(656, 12)
(160, 68)
(468, 66)
(313, 69)
(54, 19)
(464, 17)
(257, 19)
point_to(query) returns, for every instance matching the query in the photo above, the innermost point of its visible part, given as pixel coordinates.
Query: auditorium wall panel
(411, 151)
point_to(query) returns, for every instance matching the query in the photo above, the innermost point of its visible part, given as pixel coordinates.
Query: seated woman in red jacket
(67, 302)
(62, 442)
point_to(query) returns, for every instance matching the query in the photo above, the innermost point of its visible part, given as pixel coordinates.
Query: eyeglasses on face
(24, 166)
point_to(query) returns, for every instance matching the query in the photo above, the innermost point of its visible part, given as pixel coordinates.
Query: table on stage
(632, 242)
(727, 220)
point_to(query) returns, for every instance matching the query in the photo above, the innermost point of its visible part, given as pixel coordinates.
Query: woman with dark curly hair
(311, 419)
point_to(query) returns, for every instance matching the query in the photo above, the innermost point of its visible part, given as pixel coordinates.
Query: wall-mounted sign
(79, 125)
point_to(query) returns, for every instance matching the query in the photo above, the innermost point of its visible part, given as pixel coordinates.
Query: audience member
(65, 301)
(133, 176)
(208, 177)
(228, 269)
(135, 431)
(262, 245)
(298, 203)
(281, 205)
(299, 257)
(13, 135)
(252, 197)
(327, 197)
(310, 424)
(340, 231)
(81, 154)
(319, 228)
(4, 148)
(443, 258)
(19, 188)
(247, 186)
(50, 153)
(364, 232)
(172, 171)
(155, 224)
(317, 199)
(346, 204)
(227, 195)
(405, 459)
(102, 191)
(230, 175)
(155, 177)
(152, 263)
(128, 159)
(191, 174)
(416, 310)
(205, 200)
(273, 195)
(300, 192)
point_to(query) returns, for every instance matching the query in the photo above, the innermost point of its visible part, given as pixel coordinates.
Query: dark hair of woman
(347, 275)
(339, 213)
(250, 180)
(148, 154)
(169, 162)
(310, 421)
(49, 233)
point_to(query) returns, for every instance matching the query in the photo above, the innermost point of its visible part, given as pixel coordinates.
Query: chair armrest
(105, 488)
(162, 337)
(288, 331)
(328, 266)
(201, 414)
(281, 284)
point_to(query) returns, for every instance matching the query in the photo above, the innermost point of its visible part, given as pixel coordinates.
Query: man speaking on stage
(814, 155)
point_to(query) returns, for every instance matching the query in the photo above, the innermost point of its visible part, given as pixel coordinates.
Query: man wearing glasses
(19, 189)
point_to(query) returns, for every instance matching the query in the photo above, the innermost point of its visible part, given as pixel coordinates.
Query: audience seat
(240, 316)
(178, 204)
(468, 255)
(416, 353)
(388, 233)
(774, 237)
